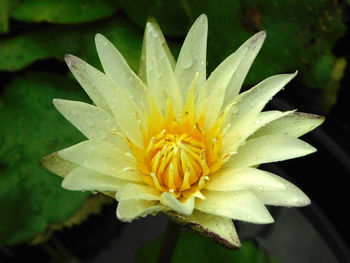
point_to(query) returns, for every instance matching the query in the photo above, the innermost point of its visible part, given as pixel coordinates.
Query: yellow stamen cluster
(179, 155)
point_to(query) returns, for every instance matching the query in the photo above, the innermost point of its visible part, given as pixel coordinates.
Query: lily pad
(31, 197)
(192, 247)
(6, 6)
(64, 11)
(54, 41)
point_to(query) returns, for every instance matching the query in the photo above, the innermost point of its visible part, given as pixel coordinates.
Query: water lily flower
(172, 140)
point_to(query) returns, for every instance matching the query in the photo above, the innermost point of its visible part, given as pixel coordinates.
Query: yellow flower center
(179, 154)
(177, 160)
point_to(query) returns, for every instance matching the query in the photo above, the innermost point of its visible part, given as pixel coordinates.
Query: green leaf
(32, 198)
(5, 9)
(55, 41)
(192, 247)
(300, 36)
(64, 11)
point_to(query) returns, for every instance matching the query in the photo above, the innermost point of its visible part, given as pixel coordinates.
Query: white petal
(129, 210)
(117, 68)
(142, 69)
(92, 121)
(266, 117)
(249, 105)
(161, 80)
(123, 109)
(171, 202)
(247, 178)
(192, 57)
(295, 124)
(217, 85)
(78, 68)
(291, 196)
(83, 179)
(220, 229)
(269, 148)
(137, 191)
(254, 45)
(240, 205)
(57, 165)
(103, 157)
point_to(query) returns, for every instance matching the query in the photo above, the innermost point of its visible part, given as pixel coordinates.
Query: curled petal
(171, 202)
(129, 210)
(220, 229)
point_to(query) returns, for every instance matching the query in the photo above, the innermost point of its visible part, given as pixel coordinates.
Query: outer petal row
(109, 97)
(269, 148)
(221, 229)
(249, 105)
(92, 121)
(103, 157)
(240, 205)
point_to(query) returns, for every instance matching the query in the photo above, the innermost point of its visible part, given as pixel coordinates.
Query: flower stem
(168, 246)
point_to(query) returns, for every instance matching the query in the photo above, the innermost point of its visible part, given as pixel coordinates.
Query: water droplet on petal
(187, 61)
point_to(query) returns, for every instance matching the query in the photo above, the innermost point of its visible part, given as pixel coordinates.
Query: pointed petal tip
(67, 58)
(56, 101)
(261, 34)
(98, 36)
(203, 17)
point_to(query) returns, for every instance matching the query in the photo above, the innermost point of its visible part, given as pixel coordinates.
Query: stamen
(156, 182)
(186, 182)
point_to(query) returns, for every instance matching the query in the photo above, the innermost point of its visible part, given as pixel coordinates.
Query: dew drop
(187, 61)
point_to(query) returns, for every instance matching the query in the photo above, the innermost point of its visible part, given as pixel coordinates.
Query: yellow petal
(161, 80)
(290, 196)
(78, 68)
(192, 57)
(137, 191)
(83, 179)
(57, 165)
(220, 229)
(254, 45)
(143, 66)
(269, 148)
(240, 205)
(103, 157)
(223, 81)
(115, 66)
(119, 104)
(240, 179)
(295, 124)
(171, 202)
(249, 105)
(129, 210)
(92, 121)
